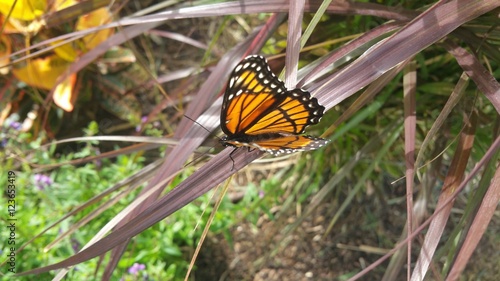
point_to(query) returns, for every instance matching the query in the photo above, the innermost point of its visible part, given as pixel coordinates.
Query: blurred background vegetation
(321, 215)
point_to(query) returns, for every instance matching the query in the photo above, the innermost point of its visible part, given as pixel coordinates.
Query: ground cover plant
(110, 117)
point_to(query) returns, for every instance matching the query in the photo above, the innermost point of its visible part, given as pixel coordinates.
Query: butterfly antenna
(205, 153)
(194, 121)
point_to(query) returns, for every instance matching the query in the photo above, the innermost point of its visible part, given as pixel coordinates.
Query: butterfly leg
(231, 156)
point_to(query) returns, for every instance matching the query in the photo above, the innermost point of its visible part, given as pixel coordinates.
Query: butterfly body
(258, 111)
(275, 144)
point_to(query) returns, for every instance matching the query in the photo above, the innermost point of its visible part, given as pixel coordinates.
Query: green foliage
(161, 248)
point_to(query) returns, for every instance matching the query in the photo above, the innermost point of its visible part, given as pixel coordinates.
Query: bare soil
(264, 252)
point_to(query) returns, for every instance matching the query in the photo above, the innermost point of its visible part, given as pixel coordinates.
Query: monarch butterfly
(259, 112)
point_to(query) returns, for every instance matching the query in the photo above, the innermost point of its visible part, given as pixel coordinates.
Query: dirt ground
(263, 252)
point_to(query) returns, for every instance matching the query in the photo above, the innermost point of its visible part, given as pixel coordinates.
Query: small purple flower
(144, 119)
(42, 181)
(15, 125)
(135, 268)
(98, 162)
(75, 245)
(261, 194)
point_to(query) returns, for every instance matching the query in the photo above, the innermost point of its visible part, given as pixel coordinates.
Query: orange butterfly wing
(258, 111)
(288, 144)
